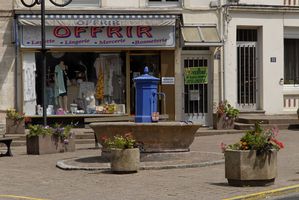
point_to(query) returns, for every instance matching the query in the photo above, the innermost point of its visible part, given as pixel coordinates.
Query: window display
(83, 83)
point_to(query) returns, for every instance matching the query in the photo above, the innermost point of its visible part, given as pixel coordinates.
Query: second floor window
(85, 2)
(164, 2)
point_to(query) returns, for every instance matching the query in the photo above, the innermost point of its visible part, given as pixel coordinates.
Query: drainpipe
(16, 42)
(225, 21)
(221, 73)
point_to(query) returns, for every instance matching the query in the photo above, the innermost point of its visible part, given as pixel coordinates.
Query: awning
(99, 20)
(201, 35)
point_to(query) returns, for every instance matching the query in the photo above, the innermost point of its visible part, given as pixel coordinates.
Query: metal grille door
(196, 89)
(247, 73)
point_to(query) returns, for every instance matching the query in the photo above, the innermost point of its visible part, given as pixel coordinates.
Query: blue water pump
(146, 97)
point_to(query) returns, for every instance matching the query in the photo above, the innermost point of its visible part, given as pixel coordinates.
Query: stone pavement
(37, 177)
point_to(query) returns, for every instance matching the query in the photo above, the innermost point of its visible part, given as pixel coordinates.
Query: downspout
(225, 20)
(221, 73)
(16, 42)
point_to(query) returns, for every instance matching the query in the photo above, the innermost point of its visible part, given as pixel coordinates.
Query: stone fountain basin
(156, 137)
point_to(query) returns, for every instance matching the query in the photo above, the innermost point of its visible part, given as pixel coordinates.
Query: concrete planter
(247, 168)
(222, 122)
(125, 160)
(15, 127)
(48, 144)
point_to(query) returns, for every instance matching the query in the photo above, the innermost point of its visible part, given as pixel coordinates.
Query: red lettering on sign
(114, 30)
(79, 30)
(144, 30)
(61, 32)
(94, 30)
(129, 31)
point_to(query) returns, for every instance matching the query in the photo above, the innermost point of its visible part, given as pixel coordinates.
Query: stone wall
(7, 58)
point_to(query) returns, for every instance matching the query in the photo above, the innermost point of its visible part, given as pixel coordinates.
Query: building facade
(203, 52)
(105, 44)
(7, 58)
(260, 61)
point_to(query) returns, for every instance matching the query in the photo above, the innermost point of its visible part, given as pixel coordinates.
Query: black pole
(44, 60)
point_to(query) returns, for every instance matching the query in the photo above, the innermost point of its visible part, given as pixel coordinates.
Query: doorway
(247, 69)
(196, 88)
(137, 63)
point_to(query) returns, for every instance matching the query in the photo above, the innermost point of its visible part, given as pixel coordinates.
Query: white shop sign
(103, 37)
(167, 80)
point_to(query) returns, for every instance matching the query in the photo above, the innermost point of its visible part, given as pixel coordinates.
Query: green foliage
(119, 142)
(36, 130)
(62, 132)
(259, 139)
(227, 110)
(14, 115)
(57, 130)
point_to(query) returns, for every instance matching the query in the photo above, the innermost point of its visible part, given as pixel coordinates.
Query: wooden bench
(7, 142)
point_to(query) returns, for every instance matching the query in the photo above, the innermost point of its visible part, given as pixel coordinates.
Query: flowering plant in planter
(63, 132)
(45, 139)
(225, 116)
(14, 115)
(124, 153)
(259, 139)
(226, 110)
(257, 153)
(36, 130)
(125, 141)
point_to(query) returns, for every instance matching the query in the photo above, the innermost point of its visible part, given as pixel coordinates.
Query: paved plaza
(37, 177)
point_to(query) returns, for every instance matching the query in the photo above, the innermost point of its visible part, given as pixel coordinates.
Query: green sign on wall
(196, 75)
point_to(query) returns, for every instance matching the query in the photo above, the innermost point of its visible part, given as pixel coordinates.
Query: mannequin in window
(61, 85)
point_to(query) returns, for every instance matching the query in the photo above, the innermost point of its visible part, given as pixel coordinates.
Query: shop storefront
(92, 60)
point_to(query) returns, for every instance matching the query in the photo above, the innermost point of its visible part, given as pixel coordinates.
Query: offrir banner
(99, 36)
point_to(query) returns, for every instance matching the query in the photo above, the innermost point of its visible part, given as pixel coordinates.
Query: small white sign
(193, 95)
(167, 80)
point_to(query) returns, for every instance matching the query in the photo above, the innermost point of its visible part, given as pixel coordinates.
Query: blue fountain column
(146, 97)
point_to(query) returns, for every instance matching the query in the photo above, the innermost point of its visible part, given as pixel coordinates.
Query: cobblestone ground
(37, 177)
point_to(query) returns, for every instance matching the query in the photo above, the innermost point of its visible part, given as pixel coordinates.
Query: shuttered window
(85, 3)
(164, 3)
(291, 61)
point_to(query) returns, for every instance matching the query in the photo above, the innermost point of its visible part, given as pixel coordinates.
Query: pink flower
(223, 147)
(278, 143)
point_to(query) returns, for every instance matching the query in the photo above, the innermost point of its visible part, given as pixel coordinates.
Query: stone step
(80, 141)
(242, 126)
(211, 131)
(268, 119)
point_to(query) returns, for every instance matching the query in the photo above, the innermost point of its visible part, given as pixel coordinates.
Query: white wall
(7, 58)
(271, 26)
(121, 4)
(268, 2)
(192, 4)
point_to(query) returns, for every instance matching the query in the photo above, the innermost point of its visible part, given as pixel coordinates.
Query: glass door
(137, 64)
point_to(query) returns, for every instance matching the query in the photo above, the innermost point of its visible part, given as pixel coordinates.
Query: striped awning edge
(98, 20)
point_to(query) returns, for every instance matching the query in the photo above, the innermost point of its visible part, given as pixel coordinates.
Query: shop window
(164, 2)
(89, 82)
(85, 3)
(291, 61)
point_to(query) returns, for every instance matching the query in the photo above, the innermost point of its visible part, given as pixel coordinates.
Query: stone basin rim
(142, 124)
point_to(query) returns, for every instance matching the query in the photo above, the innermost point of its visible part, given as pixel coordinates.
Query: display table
(79, 120)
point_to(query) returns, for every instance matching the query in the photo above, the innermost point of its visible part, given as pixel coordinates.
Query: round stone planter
(247, 168)
(125, 160)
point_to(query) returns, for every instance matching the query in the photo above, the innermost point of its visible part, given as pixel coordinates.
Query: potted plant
(253, 160)
(46, 139)
(124, 153)
(225, 116)
(15, 122)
